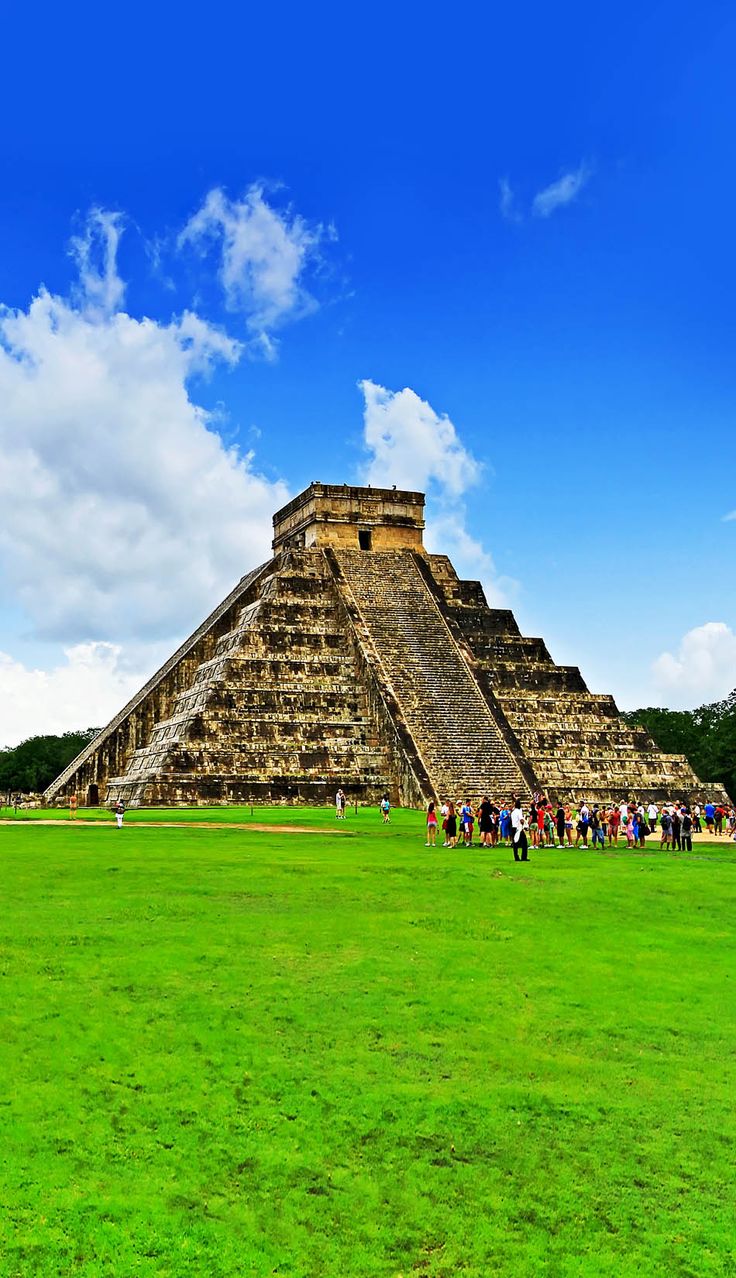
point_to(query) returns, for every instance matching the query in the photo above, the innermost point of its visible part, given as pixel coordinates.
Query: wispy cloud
(95, 252)
(562, 192)
(731, 515)
(264, 255)
(507, 202)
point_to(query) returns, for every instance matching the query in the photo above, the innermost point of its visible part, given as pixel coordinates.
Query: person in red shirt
(614, 821)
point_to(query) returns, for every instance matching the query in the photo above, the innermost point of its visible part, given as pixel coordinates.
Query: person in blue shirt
(710, 816)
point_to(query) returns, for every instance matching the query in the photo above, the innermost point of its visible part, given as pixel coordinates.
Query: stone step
(442, 705)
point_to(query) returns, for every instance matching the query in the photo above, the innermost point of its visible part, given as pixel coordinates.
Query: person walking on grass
(119, 813)
(431, 825)
(386, 809)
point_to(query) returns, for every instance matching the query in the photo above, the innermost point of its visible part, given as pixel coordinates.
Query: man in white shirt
(518, 837)
(652, 813)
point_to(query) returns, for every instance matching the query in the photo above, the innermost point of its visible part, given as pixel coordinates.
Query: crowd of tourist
(543, 824)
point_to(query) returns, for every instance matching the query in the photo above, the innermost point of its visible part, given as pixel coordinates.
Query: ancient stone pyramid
(353, 658)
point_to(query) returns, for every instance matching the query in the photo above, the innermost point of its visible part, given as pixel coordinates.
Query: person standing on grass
(468, 823)
(630, 828)
(686, 830)
(386, 810)
(569, 822)
(119, 813)
(614, 821)
(596, 826)
(697, 828)
(581, 831)
(560, 817)
(519, 840)
(652, 814)
(485, 821)
(431, 825)
(676, 828)
(718, 819)
(451, 825)
(541, 810)
(665, 823)
(72, 807)
(495, 824)
(710, 816)
(533, 827)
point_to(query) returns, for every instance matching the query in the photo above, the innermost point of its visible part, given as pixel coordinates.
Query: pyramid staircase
(456, 735)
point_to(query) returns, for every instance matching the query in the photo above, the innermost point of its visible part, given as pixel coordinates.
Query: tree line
(31, 766)
(707, 736)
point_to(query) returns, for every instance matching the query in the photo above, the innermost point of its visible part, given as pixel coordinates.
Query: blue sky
(517, 226)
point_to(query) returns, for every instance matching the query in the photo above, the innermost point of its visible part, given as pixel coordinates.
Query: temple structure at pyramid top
(355, 658)
(350, 519)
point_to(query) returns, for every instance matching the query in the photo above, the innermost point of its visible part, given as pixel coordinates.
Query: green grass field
(230, 1052)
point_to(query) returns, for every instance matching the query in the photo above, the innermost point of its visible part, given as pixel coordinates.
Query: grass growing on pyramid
(231, 1052)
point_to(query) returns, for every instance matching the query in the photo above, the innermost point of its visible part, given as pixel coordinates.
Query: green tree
(707, 736)
(31, 766)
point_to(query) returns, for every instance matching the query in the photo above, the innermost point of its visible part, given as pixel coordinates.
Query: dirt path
(184, 825)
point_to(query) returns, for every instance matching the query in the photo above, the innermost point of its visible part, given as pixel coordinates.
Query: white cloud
(412, 446)
(95, 252)
(507, 201)
(703, 668)
(264, 255)
(84, 690)
(123, 512)
(731, 515)
(562, 192)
